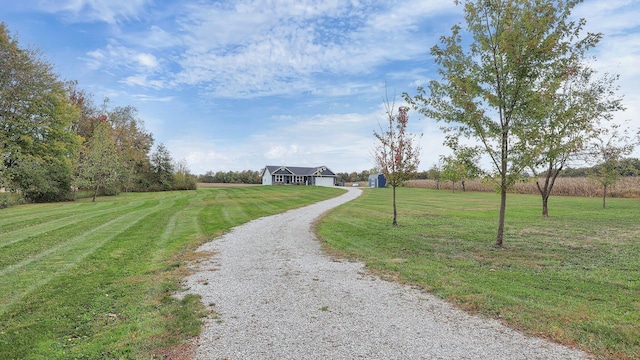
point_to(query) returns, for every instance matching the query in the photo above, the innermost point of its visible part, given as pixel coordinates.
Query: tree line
(231, 177)
(55, 141)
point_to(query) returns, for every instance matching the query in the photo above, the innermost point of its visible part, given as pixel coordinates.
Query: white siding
(324, 181)
(266, 178)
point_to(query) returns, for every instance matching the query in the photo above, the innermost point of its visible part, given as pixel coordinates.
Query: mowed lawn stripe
(37, 270)
(30, 214)
(183, 223)
(63, 219)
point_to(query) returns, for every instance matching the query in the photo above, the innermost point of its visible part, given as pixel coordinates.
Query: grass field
(85, 280)
(573, 278)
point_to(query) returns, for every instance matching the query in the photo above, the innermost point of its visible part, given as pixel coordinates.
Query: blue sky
(237, 85)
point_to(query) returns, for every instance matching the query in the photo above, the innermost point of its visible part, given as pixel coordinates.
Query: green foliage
(572, 278)
(462, 166)
(162, 171)
(354, 176)
(37, 150)
(183, 179)
(95, 280)
(626, 167)
(43, 123)
(608, 149)
(99, 167)
(132, 141)
(494, 77)
(231, 177)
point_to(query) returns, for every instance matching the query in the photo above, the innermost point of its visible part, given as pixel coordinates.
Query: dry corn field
(628, 187)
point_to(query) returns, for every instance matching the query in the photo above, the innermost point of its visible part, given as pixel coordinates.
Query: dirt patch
(184, 351)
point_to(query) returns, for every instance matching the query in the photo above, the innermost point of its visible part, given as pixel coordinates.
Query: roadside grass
(85, 280)
(573, 278)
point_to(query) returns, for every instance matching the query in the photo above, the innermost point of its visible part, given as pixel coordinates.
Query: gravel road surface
(278, 296)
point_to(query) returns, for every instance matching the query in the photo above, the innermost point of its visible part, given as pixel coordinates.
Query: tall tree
(132, 141)
(491, 81)
(99, 166)
(162, 168)
(37, 148)
(396, 155)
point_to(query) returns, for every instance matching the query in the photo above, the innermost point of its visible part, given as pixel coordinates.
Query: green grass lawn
(573, 277)
(85, 280)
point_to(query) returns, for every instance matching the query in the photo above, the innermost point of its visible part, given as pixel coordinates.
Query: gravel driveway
(278, 296)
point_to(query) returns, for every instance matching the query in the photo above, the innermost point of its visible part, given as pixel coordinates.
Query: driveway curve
(278, 296)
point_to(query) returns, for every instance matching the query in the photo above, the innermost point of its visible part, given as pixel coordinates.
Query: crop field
(573, 278)
(626, 187)
(85, 280)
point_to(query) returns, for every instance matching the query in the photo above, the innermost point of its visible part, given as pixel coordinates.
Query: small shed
(377, 180)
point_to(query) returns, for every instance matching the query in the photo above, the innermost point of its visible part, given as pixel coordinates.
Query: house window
(279, 178)
(299, 179)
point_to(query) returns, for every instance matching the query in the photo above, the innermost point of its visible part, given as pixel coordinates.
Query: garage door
(324, 181)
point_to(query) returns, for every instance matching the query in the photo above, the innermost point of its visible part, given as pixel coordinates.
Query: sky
(232, 85)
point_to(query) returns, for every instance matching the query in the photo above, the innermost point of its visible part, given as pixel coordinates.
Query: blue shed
(377, 181)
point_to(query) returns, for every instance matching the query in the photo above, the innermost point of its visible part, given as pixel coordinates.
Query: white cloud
(147, 60)
(111, 12)
(147, 98)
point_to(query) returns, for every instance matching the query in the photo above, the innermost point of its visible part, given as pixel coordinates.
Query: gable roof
(299, 171)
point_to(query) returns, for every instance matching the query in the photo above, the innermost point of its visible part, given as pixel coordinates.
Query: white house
(293, 175)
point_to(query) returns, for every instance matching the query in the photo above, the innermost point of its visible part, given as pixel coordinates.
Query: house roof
(299, 171)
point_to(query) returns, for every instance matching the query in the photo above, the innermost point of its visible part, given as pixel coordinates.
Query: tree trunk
(503, 179)
(463, 188)
(95, 193)
(395, 213)
(503, 208)
(545, 192)
(604, 197)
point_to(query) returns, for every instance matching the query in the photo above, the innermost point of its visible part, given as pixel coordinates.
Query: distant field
(224, 185)
(573, 278)
(627, 187)
(83, 280)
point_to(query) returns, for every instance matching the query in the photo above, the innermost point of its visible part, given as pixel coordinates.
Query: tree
(461, 166)
(90, 115)
(491, 83)
(566, 119)
(435, 173)
(450, 170)
(132, 141)
(36, 147)
(99, 166)
(396, 154)
(609, 147)
(183, 179)
(162, 168)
